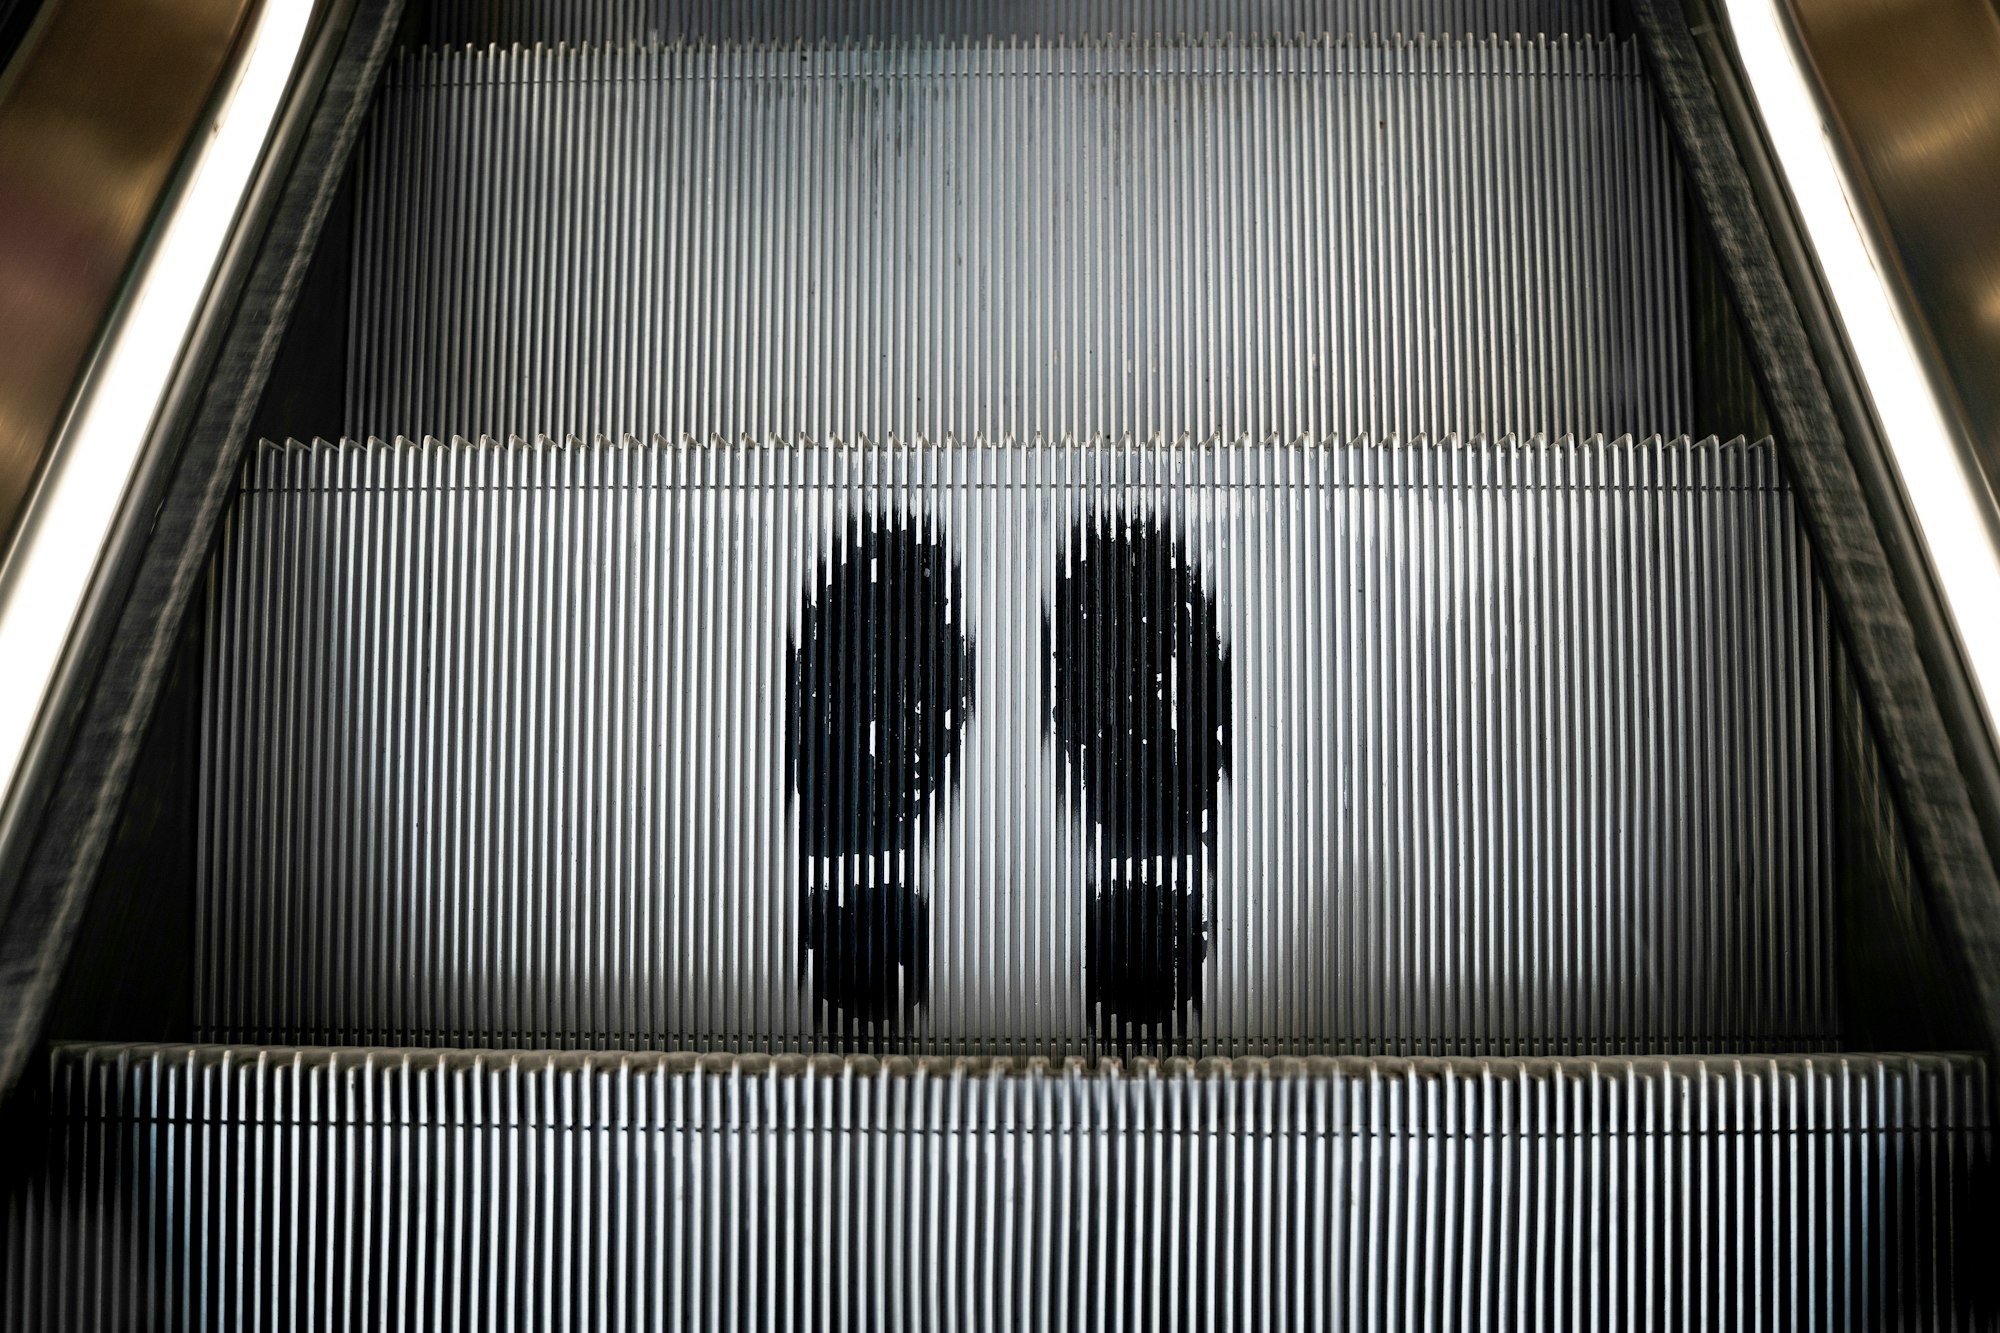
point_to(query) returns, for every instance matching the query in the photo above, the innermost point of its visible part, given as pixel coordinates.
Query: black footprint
(1143, 948)
(1141, 701)
(864, 946)
(877, 696)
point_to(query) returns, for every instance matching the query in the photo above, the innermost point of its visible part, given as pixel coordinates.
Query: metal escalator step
(212, 1187)
(481, 22)
(1223, 748)
(1319, 238)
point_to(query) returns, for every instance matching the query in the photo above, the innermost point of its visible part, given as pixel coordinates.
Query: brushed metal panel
(97, 109)
(1912, 92)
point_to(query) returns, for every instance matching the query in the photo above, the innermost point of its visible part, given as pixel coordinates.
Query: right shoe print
(1140, 692)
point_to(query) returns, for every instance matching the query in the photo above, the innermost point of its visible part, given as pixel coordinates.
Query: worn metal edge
(134, 643)
(1894, 631)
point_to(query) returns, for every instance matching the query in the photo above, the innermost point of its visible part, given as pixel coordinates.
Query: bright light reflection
(1946, 493)
(70, 516)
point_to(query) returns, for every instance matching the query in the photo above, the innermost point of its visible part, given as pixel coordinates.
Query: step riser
(551, 21)
(423, 1191)
(1325, 239)
(1507, 747)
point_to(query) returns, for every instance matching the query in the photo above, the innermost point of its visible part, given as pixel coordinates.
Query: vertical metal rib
(211, 1188)
(486, 22)
(1317, 237)
(1249, 748)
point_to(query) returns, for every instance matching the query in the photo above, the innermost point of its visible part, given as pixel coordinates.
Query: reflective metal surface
(480, 22)
(95, 113)
(1312, 237)
(1260, 748)
(1914, 91)
(70, 715)
(1916, 406)
(199, 1188)
(52, 580)
(1147, 711)
(1890, 473)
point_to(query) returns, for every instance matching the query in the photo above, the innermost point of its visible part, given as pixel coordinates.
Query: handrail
(1918, 409)
(131, 134)
(1882, 440)
(1911, 89)
(96, 113)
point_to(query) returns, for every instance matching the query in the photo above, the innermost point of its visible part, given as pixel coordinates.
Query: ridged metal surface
(480, 22)
(1322, 239)
(207, 1188)
(1244, 748)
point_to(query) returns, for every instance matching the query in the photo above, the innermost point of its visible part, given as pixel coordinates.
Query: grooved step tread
(1232, 747)
(400, 1188)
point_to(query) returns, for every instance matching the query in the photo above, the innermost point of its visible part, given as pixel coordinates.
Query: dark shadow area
(131, 974)
(16, 17)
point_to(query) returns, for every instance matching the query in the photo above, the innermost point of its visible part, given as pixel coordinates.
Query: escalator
(1082, 666)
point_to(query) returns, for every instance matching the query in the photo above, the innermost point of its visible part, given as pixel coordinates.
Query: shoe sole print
(1139, 686)
(879, 687)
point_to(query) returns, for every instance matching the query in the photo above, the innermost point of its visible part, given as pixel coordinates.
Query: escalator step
(211, 1188)
(1228, 748)
(480, 22)
(1324, 238)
